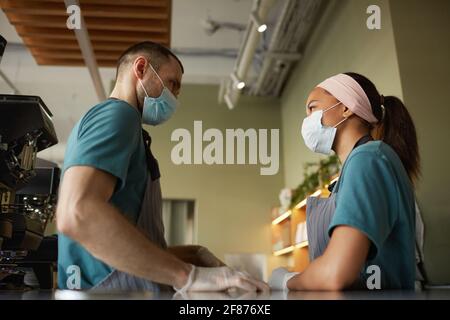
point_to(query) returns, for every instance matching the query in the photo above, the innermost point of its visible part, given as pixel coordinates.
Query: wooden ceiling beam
(45, 34)
(88, 10)
(146, 25)
(74, 53)
(112, 26)
(73, 44)
(141, 3)
(71, 62)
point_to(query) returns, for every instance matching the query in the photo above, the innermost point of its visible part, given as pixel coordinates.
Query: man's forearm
(110, 237)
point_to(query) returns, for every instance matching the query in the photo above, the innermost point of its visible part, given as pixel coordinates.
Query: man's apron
(150, 222)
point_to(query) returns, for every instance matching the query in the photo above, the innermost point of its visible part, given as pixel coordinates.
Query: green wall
(422, 34)
(232, 201)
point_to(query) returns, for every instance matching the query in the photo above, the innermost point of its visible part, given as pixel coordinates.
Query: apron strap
(334, 186)
(152, 163)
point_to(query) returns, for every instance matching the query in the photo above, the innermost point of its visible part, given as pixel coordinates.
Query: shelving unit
(284, 232)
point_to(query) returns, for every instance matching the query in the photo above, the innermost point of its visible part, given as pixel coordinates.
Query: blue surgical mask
(158, 110)
(319, 138)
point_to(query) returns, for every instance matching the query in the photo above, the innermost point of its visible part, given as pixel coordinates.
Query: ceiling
(75, 94)
(112, 27)
(187, 39)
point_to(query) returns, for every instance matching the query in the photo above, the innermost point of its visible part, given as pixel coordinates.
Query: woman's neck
(346, 142)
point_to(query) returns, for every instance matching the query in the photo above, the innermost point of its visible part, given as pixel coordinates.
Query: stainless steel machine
(28, 191)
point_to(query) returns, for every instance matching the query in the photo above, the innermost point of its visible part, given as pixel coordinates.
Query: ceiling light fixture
(261, 27)
(239, 84)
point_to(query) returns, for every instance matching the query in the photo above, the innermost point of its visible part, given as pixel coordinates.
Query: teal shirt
(376, 197)
(109, 138)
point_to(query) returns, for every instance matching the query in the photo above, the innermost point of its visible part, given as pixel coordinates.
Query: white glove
(279, 278)
(219, 279)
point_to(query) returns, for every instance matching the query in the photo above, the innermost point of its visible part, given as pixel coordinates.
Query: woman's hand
(279, 278)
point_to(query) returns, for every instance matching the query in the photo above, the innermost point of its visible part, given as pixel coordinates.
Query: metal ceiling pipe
(267, 64)
(88, 53)
(247, 51)
(9, 83)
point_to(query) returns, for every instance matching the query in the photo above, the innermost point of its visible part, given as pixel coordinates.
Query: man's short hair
(158, 55)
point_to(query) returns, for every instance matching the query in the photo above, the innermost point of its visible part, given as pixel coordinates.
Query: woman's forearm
(318, 276)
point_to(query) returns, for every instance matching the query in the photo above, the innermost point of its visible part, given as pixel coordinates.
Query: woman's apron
(150, 222)
(319, 212)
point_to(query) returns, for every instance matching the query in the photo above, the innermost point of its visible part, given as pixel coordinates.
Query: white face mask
(319, 138)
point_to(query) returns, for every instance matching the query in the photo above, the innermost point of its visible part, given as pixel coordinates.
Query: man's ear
(139, 66)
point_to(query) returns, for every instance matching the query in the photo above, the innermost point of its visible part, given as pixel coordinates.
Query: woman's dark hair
(398, 128)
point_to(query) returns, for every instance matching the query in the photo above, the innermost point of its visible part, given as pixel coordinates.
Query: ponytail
(397, 127)
(400, 133)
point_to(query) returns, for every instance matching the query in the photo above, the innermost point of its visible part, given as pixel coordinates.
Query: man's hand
(196, 255)
(220, 279)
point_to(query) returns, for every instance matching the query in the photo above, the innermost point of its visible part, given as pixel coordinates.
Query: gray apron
(150, 222)
(319, 212)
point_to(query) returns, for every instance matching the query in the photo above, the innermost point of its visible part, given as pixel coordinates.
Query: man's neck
(125, 94)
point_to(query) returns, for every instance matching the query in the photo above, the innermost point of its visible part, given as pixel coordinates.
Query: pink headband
(349, 92)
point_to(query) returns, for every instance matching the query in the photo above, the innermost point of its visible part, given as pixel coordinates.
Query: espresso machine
(28, 192)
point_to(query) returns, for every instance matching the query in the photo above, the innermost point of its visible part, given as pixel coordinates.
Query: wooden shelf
(284, 230)
(290, 249)
(302, 204)
(302, 244)
(284, 251)
(282, 217)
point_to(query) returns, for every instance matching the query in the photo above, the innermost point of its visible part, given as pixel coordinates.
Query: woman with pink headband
(363, 235)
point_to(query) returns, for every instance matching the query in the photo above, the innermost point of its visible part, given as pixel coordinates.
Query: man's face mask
(319, 138)
(158, 110)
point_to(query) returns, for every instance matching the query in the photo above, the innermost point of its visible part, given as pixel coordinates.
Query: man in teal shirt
(105, 180)
(95, 141)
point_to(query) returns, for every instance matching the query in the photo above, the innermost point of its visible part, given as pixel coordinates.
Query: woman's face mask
(158, 110)
(319, 138)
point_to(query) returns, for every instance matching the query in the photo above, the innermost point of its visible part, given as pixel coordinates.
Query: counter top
(435, 294)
